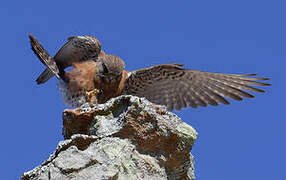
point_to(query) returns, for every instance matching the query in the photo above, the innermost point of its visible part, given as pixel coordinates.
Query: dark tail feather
(45, 76)
(46, 59)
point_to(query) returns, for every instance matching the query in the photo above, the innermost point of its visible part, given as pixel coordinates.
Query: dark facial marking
(105, 70)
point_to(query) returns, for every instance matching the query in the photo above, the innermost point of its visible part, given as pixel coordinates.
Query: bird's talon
(91, 96)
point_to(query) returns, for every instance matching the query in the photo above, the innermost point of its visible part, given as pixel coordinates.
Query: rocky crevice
(126, 138)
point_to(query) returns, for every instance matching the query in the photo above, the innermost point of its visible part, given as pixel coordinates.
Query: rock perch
(126, 138)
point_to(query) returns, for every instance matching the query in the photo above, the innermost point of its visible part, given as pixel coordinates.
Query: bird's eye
(105, 70)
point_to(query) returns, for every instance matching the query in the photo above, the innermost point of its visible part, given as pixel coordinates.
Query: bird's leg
(91, 96)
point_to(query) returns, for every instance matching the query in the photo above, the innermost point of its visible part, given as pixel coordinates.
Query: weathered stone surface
(126, 138)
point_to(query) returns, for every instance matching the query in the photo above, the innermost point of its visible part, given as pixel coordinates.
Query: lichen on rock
(126, 138)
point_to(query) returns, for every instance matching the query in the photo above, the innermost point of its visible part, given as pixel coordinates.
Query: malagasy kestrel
(165, 84)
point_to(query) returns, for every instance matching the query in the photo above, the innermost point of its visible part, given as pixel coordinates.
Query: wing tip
(38, 82)
(266, 84)
(32, 38)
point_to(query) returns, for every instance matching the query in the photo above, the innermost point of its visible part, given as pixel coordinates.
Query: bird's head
(110, 68)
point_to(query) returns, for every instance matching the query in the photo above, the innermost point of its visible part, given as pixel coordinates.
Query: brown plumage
(165, 84)
(106, 74)
(77, 49)
(177, 88)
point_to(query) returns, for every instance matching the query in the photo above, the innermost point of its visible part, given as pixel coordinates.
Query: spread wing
(44, 56)
(78, 48)
(65, 49)
(176, 88)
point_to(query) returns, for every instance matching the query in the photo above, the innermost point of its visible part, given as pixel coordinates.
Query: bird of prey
(77, 49)
(165, 84)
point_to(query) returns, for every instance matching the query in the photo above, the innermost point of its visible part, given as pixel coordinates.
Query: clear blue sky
(245, 140)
